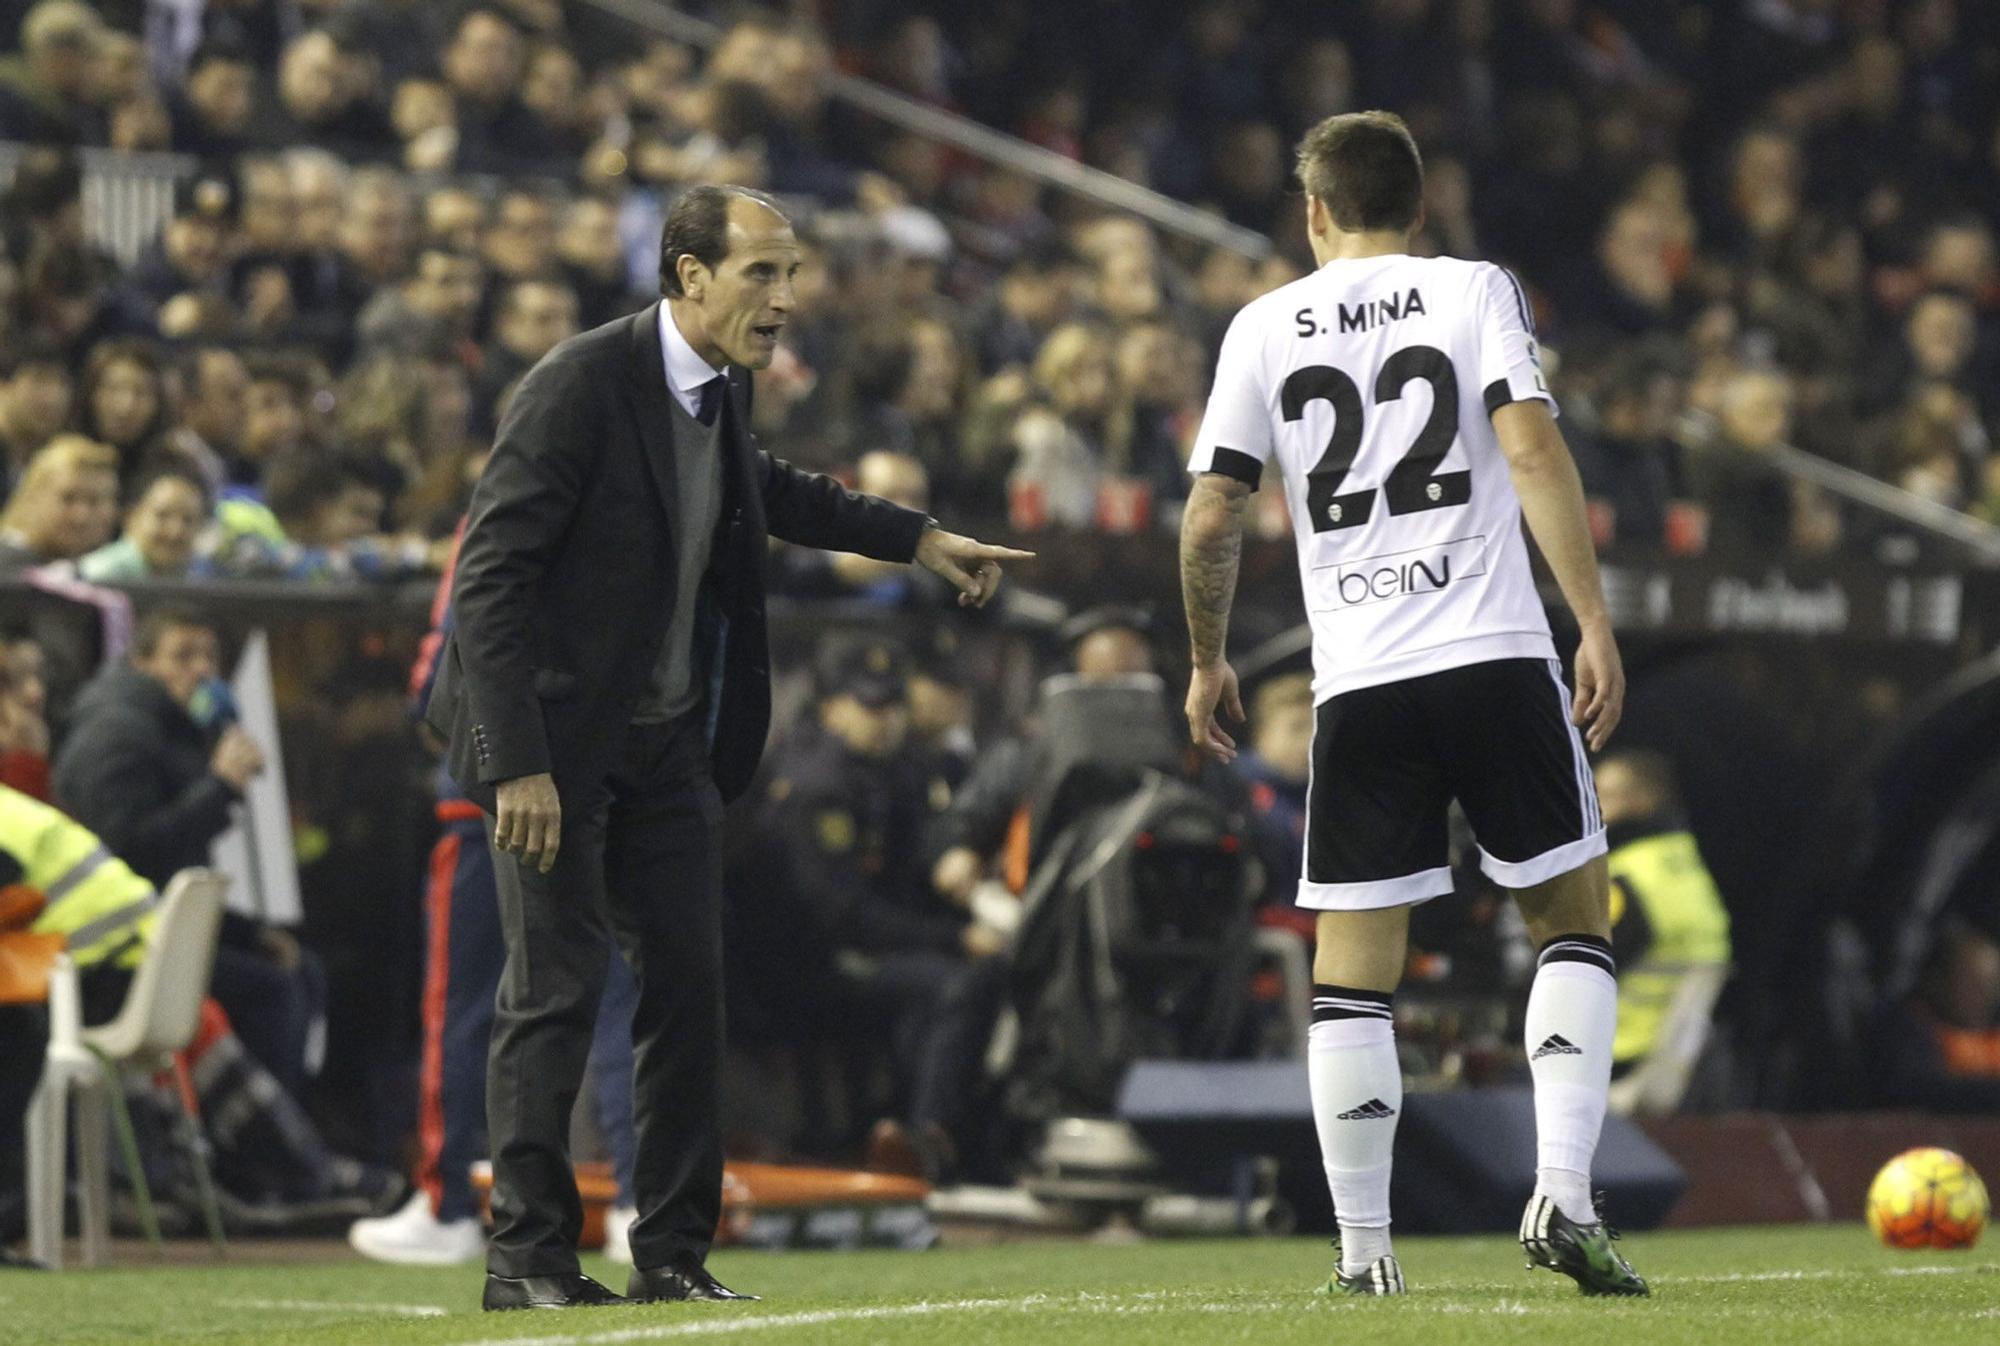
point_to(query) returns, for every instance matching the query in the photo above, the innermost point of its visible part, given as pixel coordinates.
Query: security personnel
(266, 1148)
(843, 818)
(1667, 919)
(91, 897)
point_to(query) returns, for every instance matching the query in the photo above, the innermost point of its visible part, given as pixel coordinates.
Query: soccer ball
(1927, 1198)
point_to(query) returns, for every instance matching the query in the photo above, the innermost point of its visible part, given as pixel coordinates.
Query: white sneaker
(618, 1233)
(415, 1236)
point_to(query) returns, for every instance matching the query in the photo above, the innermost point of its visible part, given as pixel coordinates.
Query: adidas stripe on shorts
(1388, 760)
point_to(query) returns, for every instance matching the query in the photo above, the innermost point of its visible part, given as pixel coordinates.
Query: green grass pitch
(1760, 1287)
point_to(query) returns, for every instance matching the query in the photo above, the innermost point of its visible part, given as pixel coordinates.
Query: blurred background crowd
(1748, 231)
(1740, 226)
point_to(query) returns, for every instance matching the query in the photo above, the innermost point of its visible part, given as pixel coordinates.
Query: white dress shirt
(686, 371)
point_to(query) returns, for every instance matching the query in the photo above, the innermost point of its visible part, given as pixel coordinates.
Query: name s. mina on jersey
(1409, 530)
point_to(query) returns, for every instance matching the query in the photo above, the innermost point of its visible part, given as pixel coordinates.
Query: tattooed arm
(1211, 544)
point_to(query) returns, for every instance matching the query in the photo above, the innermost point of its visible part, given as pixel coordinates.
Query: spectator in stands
(209, 414)
(1632, 290)
(211, 112)
(1276, 768)
(321, 518)
(904, 377)
(531, 317)
(1940, 1049)
(1157, 405)
(455, 215)
(1038, 291)
(45, 91)
(170, 504)
(35, 396)
(520, 243)
(124, 399)
(375, 230)
(426, 119)
(593, 262)
(276, 392)
(65, 505)
(268, 216)
(1059, 440)
(1630, 465)
(497, 132)
(308, 291)
(321, 103)
(67, 292)
(843, 822)
(24, 720)
(809, 573)
(553, 89)
(191, 255)
(1935, 344)
(1748, 505)
(432, 311)
(1668, 922)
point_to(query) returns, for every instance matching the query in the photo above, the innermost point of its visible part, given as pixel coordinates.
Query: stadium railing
(975, 138)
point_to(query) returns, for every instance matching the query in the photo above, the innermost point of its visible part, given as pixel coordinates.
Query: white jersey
(1371, 382)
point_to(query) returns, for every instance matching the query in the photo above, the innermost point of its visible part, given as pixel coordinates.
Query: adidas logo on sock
(1555, 1044)
(1374, 1110)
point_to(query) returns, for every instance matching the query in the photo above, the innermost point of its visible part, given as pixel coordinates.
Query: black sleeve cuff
(1236, 465)
(1498, 395)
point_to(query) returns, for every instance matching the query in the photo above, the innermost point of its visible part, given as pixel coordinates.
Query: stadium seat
(159, 1017)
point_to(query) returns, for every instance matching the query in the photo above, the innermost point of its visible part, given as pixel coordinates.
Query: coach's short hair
(698, 227)
(1365, 169)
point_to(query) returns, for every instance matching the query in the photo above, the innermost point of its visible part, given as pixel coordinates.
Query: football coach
(605, 691)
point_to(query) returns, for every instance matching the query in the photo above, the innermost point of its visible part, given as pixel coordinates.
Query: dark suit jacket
(566, 576)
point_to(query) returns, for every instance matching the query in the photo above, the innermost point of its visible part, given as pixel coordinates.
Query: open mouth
(768, 330)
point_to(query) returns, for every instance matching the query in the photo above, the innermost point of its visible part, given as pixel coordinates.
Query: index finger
(988, 551)
(1607, 723)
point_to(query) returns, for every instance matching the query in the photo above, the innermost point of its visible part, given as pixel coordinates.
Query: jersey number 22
(1414, 484)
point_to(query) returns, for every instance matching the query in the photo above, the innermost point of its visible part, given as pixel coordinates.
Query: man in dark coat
(155, 767)
(605, 692)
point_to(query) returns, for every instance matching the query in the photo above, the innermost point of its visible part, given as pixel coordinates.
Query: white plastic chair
(159, 1017)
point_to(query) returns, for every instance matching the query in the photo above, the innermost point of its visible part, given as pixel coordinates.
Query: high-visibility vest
(93, 899)
(1665, 875)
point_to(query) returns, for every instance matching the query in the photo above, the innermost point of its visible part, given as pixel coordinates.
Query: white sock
(1572, 1018)
(1357, 1094)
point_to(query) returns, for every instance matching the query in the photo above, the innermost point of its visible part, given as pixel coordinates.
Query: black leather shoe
(683, 1278)
(571, 1290)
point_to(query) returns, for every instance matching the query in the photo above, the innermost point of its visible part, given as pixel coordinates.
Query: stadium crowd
(1739, 226)
(1772, 215)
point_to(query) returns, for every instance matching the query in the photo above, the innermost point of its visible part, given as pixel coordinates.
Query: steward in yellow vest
(1667, 919)
(91, 898)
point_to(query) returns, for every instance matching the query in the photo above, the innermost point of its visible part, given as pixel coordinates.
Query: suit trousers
(641, 856)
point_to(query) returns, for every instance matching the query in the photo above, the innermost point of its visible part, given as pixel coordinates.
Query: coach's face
(746, 300)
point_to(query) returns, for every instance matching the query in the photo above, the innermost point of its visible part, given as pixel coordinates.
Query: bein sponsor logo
(1405, 574)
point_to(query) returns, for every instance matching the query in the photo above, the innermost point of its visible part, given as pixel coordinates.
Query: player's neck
(1338, 245)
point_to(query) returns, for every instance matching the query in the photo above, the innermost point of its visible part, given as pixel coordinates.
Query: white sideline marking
(810, 1318)
(1826, 1274)
(1140, 1302)
(336, 1306)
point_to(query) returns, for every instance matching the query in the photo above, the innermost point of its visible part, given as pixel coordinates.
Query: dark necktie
(711, 400)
